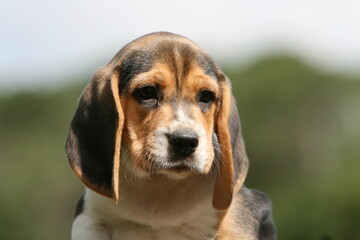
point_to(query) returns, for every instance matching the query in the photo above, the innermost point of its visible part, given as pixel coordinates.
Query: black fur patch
(256, 213)
(236, 138)
(138, 61)
(91, 141)
(267, 228)
(207, 64)
(79, 206)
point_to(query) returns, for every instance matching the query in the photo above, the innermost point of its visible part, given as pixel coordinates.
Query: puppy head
(163, 100)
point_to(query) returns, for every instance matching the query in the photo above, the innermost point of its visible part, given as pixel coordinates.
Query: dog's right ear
(94, 140)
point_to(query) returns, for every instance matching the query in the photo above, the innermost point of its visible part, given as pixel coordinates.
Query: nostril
(194, 143)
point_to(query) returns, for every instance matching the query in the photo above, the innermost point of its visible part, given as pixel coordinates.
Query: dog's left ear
(93, 143)
(233, 164)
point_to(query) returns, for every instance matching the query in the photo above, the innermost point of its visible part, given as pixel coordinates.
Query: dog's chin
(179, 171)
(177, 175)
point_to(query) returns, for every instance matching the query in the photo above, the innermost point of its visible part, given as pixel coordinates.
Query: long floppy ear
(93, 143)
(233, 163)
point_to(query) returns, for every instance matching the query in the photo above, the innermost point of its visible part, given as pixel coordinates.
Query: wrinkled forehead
(178, 56)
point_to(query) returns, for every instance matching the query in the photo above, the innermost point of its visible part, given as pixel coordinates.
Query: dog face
(169, 114)
(163, 101)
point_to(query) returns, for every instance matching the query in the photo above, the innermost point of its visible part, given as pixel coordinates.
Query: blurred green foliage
(302, 132)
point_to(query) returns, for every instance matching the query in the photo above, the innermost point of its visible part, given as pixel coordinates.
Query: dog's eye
(148, 96)
(148, 92)
(206, 96)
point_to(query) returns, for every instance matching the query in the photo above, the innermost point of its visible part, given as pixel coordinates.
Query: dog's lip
(178, 167)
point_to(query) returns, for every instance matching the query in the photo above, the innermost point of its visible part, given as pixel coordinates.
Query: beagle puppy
(156, 139)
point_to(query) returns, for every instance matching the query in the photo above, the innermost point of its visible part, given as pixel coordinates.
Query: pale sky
(43, 42)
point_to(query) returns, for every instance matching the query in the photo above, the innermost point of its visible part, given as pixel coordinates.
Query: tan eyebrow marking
(160, 75)
(197, 80)
(144, 79)
(205, 82)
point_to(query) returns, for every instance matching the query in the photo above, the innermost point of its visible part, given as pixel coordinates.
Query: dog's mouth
(169, 167)
(179, 171)
(181, 168)
(184, 168)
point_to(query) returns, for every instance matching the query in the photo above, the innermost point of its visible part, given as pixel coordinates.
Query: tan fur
(161, 75)
(116, 168)
(140, 123)
(223, 192)
(154, 200)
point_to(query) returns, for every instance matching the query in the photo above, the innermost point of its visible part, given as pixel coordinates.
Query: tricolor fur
(156, 139)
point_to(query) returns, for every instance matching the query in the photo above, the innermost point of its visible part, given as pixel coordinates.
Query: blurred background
(295, 72)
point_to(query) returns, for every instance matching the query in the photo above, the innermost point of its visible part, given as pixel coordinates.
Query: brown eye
(206, 96)
(148, 96)
(148, 92)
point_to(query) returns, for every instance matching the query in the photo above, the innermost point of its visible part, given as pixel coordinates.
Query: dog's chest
(188, 231)
(169, 212)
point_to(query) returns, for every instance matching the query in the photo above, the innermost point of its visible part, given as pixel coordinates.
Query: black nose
(184, 142)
